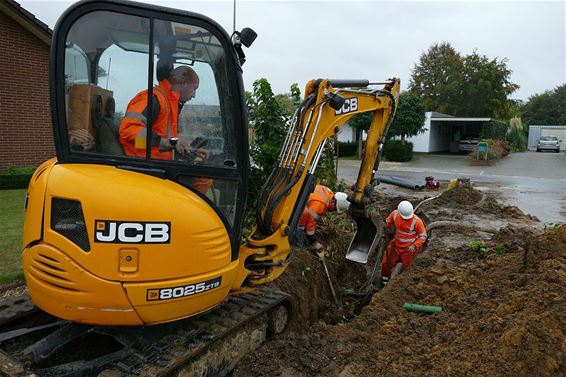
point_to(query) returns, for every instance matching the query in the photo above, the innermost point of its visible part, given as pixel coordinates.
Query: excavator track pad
(33, 342)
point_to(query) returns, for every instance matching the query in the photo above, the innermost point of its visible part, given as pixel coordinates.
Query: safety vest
(133, 127)
(317, 205)
(407, 232)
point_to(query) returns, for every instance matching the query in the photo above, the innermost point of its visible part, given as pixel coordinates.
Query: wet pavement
(534, 182)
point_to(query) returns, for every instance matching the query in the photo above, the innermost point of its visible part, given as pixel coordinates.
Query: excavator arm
(327, 106)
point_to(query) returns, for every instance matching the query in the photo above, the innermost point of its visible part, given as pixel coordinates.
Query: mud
(504, 314)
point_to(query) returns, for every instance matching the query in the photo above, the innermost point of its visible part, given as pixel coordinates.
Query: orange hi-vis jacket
(317, 205)
(407, 232)
(133, 127)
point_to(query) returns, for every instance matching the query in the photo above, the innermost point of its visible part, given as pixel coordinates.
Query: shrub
(398, 150)
(346, 149)
(16, 177)
(494, 130)
(495, 149)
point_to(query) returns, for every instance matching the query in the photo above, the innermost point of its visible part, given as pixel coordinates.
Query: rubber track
(158, 350)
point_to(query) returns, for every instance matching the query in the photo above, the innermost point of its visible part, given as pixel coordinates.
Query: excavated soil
(504, 314)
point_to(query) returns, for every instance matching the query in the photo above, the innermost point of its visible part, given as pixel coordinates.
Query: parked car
(549, 143)
(468, 142)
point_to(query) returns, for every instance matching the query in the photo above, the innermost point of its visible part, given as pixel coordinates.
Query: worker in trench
(320, 202)
(410, 236)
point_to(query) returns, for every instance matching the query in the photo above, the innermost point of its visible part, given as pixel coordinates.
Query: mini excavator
(118, 240)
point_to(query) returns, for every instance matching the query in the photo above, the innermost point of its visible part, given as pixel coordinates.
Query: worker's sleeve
(390, 220)
(421, 233)
(134, 124)
(314, 209)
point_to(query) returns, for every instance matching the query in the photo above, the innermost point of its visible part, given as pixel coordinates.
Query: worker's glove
(412, 249)
(317, 246)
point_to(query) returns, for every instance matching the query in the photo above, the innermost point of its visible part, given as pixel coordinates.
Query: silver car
(468, 142)
(551, 143)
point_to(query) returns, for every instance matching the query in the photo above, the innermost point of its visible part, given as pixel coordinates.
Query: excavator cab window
(121, 75)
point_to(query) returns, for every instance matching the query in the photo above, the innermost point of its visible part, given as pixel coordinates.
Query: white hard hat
(342, 203)
(405, 209)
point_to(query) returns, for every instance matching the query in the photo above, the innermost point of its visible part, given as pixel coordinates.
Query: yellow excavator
(119, 240)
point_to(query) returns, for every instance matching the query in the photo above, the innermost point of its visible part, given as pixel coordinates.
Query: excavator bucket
(365, 240)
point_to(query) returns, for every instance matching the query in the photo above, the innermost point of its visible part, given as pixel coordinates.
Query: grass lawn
(11, 231)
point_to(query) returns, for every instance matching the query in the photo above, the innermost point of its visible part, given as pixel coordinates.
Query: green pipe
(422, 308)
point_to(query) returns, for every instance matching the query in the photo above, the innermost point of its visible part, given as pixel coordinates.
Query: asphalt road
(534, 182)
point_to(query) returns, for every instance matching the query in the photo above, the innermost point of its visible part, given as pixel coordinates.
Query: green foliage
(346, 149)
(548, 108)
(516, 136)
(479, 246)
(15, 170)
(267, 118)
(494, 130)
(16, 177)
(326, 169)
(11, 232)
(410, 117)
(398, 150)
(499, 250)
(471, 85)
(361, 122)
(496, 149)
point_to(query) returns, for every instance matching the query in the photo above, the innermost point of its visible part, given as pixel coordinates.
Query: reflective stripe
(137, 116)
(406, 233)
(395, 215)
(310, 233)
(300, 227)
(413, 224)
(422, 236)
(313, 214)
(323, 194)
(168, 111)
(406, 239)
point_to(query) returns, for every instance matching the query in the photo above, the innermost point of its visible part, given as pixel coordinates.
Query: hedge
(16, 177)
(494, 130)
(398, 150)
(347, 149)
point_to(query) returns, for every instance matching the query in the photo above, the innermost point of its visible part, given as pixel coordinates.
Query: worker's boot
(384, 281)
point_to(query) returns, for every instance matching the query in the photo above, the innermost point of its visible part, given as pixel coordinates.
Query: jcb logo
(350, 104)
(109, 231)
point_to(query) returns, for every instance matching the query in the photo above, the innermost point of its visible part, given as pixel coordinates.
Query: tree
(548, 108)
(435, 79)
(360, 123)
(289, 101)
(410, 117)
(267, 119)
(471, 85)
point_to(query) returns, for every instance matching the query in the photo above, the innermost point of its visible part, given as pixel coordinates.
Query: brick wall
(26, 136)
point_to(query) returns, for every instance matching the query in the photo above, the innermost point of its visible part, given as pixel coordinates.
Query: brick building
(26, 136)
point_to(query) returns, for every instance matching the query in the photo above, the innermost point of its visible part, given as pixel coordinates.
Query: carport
(442, 132)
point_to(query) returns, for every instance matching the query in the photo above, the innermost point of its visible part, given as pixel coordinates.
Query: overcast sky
(377, 40)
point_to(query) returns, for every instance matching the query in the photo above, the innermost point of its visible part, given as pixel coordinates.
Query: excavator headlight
(67, 219)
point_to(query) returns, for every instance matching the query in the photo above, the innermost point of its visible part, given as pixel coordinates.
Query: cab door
(112, 59)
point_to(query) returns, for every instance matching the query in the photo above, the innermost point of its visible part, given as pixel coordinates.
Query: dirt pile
(504, 313)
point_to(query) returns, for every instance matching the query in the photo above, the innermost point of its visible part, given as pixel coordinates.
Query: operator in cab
(177, 87)
(320, 202)
(410, 236)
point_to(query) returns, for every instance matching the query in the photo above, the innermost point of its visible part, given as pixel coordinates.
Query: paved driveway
(535, 182)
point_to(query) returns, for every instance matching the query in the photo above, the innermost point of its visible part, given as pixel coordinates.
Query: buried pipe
(479, 228)
(401, 182)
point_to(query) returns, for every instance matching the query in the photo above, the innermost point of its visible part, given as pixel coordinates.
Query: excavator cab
(117, 239)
